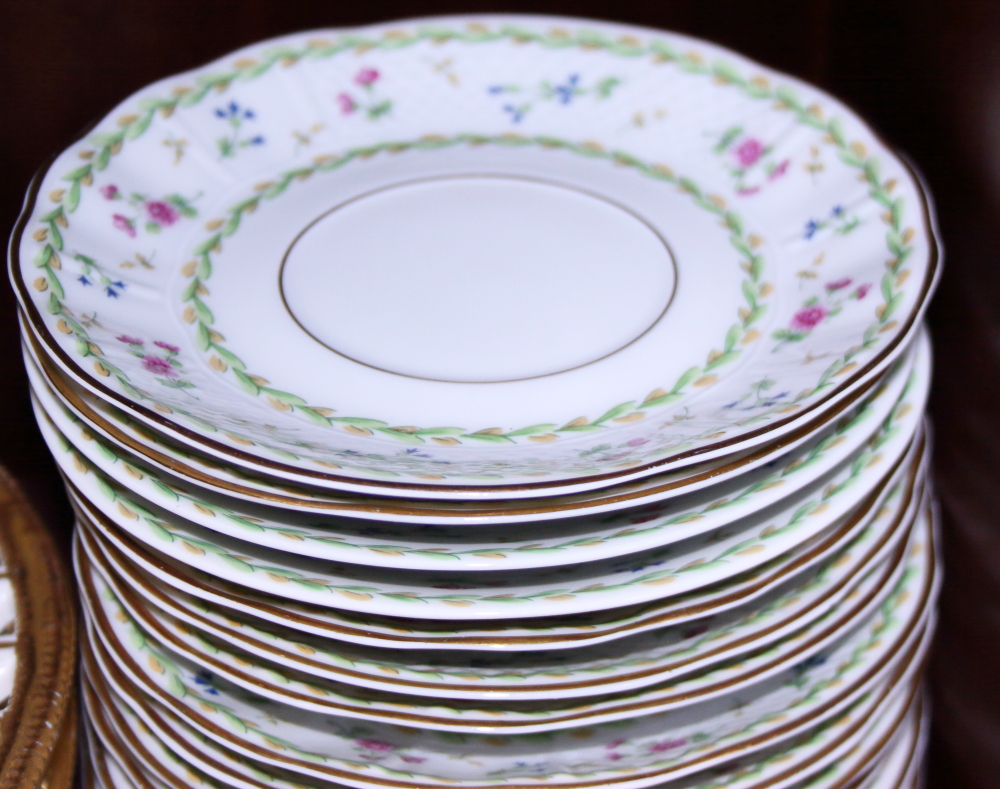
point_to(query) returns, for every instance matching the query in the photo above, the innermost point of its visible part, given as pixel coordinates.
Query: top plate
(491, 257)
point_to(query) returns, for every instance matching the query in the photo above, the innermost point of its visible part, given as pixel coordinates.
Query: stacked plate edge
(490, 401)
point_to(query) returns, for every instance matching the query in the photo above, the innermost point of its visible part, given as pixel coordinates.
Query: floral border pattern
(131, 126)
(157, 530)
(172, 493)
(697, 637)
(172, 680)
(210, 340)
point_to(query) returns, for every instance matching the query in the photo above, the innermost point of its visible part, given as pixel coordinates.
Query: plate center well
(477, 279)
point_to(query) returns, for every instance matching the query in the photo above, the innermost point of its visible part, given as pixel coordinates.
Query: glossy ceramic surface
(894, 409)
(891, 630)
(753, 212)
(184, 468)
(670, 571)
(113, 623)
(854, 545)
(631, 662)
(146, 751)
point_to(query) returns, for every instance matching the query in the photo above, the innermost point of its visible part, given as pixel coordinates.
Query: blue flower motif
(639, 569)
(565, 93)
(838, 210)
(415, 452)
(537, 767)
(812, 228)
(113, 289)
(516, 113)
(204, 679)
(495, 89)
(233, 110)
(813, 662)
(235, 115)
(83, 280)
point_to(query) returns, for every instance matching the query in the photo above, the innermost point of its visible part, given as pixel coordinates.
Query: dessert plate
(229, 606)
(113, 623)
(161, 753)
(574, 540)
(254, 316)
(626, 663)
(852, 491)
(316, 745)
(196, 757)
(58, 394)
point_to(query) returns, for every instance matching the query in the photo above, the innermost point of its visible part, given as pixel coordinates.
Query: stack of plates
(494, 401)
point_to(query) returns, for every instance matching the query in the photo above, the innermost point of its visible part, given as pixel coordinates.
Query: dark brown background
(925, 72)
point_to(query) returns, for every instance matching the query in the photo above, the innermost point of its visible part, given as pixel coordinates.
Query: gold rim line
(100, 708)
(102, 626)
(831, 630)
(909, 457)
(916, 624)
(55, 380)
(107, 743)
(98, 687)
(60, 432)
(482, 176)
(184, 578)
(159, 597)
(150, 416)
(176, 569)
(137, 604)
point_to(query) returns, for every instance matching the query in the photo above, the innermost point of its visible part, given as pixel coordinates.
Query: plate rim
(150, 416)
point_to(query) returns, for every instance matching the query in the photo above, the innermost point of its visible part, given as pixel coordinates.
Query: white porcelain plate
(851, 494)
(232, 606)
(505, 547)
(484, 257)
(862, 664)
(634, 661)
(73, 409)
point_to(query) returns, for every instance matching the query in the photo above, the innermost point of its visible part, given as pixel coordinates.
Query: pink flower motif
(809, 317)
(838, 284)
(375, 745)
(614, 744)
(666, 745)
(347, 105)
(366, 77)
(162, 213)
(615, 756)
(159, 366)
(167, 346)
(862, 291)
(126, 338)
(413, 759)
(746, 191)
(779, 171)
(748, 152)
(109, 192)
(124, 224)
(637, 442)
